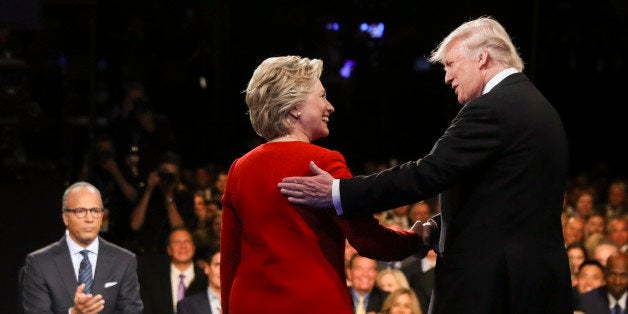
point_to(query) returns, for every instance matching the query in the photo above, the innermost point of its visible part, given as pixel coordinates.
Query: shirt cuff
(335, 195)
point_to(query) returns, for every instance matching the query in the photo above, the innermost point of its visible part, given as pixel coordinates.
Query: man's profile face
(83, 230)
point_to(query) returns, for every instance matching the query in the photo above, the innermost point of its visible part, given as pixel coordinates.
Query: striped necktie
(85, 272)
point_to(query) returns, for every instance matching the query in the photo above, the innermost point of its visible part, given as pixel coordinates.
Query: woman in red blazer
(283, 258)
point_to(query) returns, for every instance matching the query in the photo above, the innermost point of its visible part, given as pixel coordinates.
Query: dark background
(64, 65)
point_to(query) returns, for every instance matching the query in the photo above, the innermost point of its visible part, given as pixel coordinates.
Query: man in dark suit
(205, 302)
(160, 278)
(500, 169)
(52, 274)
(612, 296)
(420, 275)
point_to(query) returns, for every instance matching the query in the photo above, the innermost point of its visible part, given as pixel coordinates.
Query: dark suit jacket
(421, 282)
(375, 301)
(49, 281)
(594, 301)
(156, 292)
(501, 168)
(197, 303)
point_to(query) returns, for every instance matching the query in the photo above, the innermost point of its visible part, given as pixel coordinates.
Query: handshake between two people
(316, 191)
(429, 232)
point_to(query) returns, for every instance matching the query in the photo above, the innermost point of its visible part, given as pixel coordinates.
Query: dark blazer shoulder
(195, 303)
(594, 301)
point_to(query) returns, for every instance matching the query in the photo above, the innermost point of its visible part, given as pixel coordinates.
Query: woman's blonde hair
(277, 86)
(415, 306)
(397, 274)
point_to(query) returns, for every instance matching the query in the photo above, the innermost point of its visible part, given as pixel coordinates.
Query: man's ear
(483, 57)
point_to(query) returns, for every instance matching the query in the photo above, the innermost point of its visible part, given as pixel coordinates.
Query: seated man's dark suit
(197, 303)
(49, 281)
(422, 282)
(375, 300)
(594, 301)
(156, 292)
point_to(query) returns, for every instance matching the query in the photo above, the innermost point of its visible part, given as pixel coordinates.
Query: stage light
(347, 68)
(374, 30)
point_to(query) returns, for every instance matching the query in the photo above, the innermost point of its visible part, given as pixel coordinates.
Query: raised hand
(312, 191)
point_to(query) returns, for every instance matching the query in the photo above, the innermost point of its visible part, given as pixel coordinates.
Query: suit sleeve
(35, 292)
(365, 233)
(129, 300)
(471, 139)
(230, 242)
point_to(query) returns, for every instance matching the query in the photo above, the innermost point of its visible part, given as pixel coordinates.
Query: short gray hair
(277, 86)
(77, 185)
(484, 32)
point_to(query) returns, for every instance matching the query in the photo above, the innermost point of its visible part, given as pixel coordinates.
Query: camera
(167, 178)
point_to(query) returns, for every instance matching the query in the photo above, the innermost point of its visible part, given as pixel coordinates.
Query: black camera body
(167, 178)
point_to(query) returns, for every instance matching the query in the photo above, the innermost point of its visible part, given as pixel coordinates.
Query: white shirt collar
(498, 78)
(75, 248)
(622, 301)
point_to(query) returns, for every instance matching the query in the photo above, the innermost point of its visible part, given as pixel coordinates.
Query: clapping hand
(87, 303)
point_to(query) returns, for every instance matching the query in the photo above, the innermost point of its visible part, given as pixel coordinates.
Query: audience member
(205, 302)
(617, 232)
(590, 276)
(399, 215)
(603, 250)
(366, 296)
(144, 131)
(616, 199)
(162, 206)
(219, 185)
(610, 298)
(390, 280)
(165, 281)
(577, 255)
(420, 211)
(402, 301)
(81, 273)
(596, 223)
(117, 184)
(584, 205)
(573, 230)
(421, 278)
(203, 182)
(202, 231)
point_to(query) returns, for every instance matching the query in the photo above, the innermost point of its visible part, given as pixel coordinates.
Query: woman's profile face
(314, 113)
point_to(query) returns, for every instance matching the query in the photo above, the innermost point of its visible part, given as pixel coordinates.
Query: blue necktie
(617, 309)
(85, 272)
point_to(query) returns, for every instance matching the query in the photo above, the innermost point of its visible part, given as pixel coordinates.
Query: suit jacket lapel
(104, 264)
(206, 304)
(63, 262)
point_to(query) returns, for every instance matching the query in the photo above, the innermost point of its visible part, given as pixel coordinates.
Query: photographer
(118, 186)
(163, 206)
